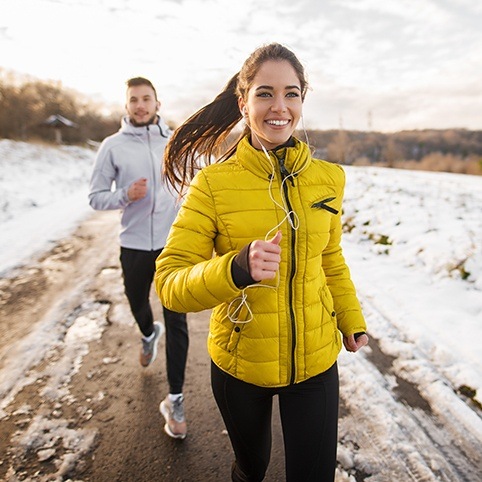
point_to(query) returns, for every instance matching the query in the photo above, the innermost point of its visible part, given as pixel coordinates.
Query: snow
(427, 281)
(413, 242)
(43, 197)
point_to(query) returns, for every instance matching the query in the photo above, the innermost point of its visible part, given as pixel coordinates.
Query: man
(127, 176)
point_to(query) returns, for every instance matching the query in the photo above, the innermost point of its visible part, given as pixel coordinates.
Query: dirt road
(76, 405)
(91, 412)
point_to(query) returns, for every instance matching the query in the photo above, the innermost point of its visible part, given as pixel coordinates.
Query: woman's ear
(242, 107)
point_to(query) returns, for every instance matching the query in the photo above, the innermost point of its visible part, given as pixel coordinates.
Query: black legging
(138, 268)
(309, 419)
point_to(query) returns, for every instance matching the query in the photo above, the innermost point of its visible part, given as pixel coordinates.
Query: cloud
(359, 54)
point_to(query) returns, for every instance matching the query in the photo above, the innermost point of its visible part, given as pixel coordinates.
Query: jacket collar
(158, 129)
(296, 157)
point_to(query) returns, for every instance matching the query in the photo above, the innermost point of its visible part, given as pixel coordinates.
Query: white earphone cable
(236, 305)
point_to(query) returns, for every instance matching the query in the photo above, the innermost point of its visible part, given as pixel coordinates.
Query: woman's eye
(264, 94)
(292, 94)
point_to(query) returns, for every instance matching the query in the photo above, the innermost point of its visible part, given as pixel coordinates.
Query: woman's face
(273, 105)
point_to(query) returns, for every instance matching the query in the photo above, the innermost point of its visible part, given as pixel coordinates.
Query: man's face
(141, 105)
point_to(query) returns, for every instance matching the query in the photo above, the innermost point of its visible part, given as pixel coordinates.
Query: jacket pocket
(328, 312)
(234, 338)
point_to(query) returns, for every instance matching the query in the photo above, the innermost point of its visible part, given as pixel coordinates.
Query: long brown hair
(201, 139)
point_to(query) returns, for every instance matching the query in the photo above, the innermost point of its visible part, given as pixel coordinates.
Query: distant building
(58, 122)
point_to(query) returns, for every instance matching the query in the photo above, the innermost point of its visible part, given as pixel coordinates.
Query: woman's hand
(352, 344)
(264, 258)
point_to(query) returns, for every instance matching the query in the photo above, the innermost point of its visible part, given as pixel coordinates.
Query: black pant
(138, 268)
(309, 419)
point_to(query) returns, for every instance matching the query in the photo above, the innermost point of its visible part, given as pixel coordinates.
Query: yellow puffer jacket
(295, 320)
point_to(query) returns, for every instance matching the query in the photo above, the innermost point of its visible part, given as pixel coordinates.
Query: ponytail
(201, 138)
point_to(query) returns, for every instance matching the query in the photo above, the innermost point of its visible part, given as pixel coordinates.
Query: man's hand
(137, 190)
(264, 258)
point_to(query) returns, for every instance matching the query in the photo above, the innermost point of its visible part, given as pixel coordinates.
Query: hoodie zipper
(284, 173)
(151, 157)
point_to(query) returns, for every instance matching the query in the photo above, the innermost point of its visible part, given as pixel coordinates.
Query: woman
(278, 283)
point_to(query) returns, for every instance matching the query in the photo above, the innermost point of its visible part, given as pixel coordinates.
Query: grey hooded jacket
(124, 157)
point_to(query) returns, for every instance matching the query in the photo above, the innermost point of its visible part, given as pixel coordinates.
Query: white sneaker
(173, 412)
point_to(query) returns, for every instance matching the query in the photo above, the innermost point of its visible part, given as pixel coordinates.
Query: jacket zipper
(151, 157)
(284, 173)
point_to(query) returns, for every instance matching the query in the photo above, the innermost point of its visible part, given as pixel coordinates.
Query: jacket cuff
(240, 269)
(125, 196)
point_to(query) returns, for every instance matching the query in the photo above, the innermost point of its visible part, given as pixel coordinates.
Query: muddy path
(76, 405)
(81, 407)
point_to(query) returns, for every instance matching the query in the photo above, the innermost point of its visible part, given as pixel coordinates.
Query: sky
(416, 304)
(383, 65)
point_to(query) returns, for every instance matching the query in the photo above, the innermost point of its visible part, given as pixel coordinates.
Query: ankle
(173, 397)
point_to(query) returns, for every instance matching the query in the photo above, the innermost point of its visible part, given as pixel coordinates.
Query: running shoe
(149, 348)
(173, 412)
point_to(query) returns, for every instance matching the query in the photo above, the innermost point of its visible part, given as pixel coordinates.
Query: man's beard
(142, 124)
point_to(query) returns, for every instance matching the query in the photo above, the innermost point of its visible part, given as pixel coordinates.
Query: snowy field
(413, 241)
(43, 196)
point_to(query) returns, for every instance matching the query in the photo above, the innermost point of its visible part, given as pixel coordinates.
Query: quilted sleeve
(189, 277)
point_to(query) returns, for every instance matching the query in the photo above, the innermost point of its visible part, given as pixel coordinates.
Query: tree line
(450, 150)
(26, 103)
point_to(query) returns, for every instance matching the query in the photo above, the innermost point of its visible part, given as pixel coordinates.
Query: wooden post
(58, 135)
